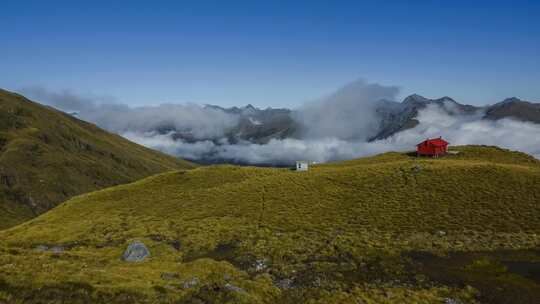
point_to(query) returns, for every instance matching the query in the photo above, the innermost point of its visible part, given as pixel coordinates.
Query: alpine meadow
(270, 152)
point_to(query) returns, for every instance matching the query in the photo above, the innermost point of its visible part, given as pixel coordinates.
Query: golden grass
(340, 232)
(47, 156)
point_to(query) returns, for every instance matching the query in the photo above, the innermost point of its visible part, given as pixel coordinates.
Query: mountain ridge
(393, 116)
(47, 156)
(513, 108)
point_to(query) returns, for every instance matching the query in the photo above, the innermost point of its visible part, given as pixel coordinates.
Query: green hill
(386, 229)
(47, 156)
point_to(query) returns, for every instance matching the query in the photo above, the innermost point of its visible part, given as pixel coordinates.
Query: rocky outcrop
(396, 117)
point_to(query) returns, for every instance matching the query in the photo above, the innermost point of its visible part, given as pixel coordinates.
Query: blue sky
(271, 53)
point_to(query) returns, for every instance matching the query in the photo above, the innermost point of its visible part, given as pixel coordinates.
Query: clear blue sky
(276, 53)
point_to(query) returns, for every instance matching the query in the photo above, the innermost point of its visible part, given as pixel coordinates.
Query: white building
(302, 165)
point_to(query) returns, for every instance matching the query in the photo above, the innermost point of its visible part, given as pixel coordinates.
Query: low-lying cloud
(471, 129)
(275, 152)
(200, 121)
(347, 114)
(458, 129)
(332, 128)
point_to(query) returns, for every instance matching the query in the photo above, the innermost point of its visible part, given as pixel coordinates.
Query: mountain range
(396, 117)
(259, 126)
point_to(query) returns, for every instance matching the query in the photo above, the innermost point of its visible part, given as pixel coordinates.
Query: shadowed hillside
(385, 229)
(47, 156)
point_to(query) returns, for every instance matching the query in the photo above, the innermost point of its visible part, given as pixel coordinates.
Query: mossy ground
(347, 232)
(47, 156)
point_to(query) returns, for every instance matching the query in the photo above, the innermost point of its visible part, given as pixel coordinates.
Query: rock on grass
(136, 252)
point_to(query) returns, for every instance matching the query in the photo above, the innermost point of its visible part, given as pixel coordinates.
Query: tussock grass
(339, 233)
(47, 156)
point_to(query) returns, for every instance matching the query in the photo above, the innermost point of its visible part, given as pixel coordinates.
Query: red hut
(432, 147)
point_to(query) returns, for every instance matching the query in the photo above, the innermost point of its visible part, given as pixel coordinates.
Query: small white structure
(302, 165)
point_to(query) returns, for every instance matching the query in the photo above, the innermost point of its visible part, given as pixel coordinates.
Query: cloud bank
(332, 128)
(347, 114)
(471, 129)
(434, 121)
(201, 122)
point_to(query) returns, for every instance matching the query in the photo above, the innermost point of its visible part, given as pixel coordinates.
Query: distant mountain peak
(213, 107)
(446, 98)
(515, 108)
(249, 110)
(415, 98)
(511, 99)
(421, 100)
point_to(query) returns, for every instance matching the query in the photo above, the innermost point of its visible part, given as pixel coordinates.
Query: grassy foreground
(47, 156)
(385, 229)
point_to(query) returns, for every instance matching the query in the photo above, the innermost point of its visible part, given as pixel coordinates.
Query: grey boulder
(136, 252)
(53, 249)
(191, 283)
(234, 288)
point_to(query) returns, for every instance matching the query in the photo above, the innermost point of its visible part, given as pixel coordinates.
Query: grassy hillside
(47, 156)
(385, 229)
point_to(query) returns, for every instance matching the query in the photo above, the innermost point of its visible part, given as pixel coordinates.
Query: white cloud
(334, 128)
(200, 121)
(471, 129)
(434, 122)
(348, 113)
(166, 144)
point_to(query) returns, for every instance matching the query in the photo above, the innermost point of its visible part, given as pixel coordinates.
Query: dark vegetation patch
(502, 276)
(64, 293)
(3, 142)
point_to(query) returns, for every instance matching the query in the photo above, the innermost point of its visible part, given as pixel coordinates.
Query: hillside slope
(386, 229)
(47, 156)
